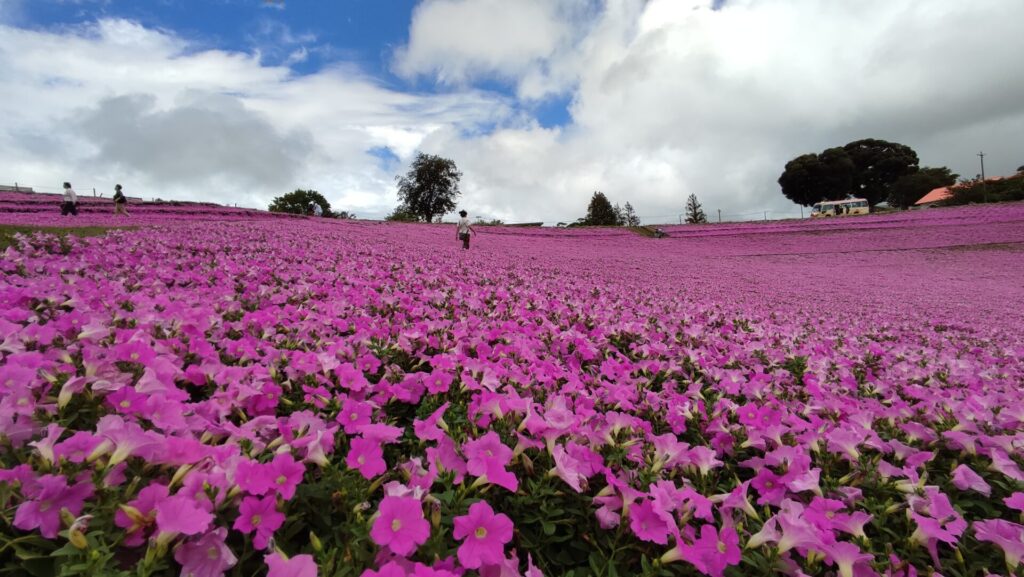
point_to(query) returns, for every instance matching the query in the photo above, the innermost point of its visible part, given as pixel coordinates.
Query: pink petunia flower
(297, 566)
(847, 556)
(965, 478)
(487, 457)
(400, 525)
(484, 536)
(647, 525)
(261, 516)
(180, 514)
(353, 415)
(143, 513)
(207, 556)
(47, 496)
(428, 429)
(1006, 535)
(1015, 501)
(285, 475)
(714, 550)
(389, 569)
(366, 456)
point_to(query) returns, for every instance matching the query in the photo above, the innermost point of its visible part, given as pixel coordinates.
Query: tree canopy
(301, 202)
(600, 211)
(811, 178)
(909, 188)
(877, 165)
(694, 211)
(863, 168)
(430, 187)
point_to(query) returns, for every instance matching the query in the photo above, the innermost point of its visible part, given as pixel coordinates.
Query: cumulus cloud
(672, 97)
(204, 138)
(114, 101)
(666, 97)
(456, 41)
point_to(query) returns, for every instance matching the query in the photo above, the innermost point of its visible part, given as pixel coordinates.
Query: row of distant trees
(872, 169)
(601, 212)
(305, 202)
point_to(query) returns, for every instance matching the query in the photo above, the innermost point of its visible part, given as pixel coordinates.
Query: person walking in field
(120, 201)
(463, 229)
(70, 204)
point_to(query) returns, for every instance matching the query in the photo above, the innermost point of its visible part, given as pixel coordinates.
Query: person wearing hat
(463, 229)
(70, 204)
(120, 201)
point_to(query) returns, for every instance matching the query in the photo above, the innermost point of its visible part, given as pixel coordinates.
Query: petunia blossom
(483, 534)
(400, 525)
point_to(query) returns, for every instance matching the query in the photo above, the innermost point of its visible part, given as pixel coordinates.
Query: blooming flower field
(298, 397)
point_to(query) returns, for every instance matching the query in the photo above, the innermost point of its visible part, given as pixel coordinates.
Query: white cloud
(667, 98)
(458, 40)
(670, 97)
(113, 101)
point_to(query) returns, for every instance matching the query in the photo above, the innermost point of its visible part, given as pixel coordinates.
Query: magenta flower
(487, 457)
(261, 516)
(47, 496)
(965, 478)
(207, 556)
(427, 429)
(285, 475)
(389, 569)
(400, 525)
(714, 550)
(182, 515)
(351, 377)
(353, 415)
(846, 556)
(1006, 535)
(1015, 501)
(253, 477)
(367, 457)
(297, 566)
(483, 534)
(647, 525)
(143, 513)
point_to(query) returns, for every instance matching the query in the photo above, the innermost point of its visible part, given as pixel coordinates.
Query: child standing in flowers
(463, 229)
(120, 201)
(70, 204)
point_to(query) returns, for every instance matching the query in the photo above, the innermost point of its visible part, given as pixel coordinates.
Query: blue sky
(539, 102)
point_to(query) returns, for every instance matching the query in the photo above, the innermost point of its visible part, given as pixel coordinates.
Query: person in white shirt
(70, 204)
(463, 229)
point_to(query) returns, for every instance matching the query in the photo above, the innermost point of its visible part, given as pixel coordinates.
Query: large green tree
(811, 178)
(430, 187)
(600, 211)
(864, 168)
(909, 188)
(301, 202)
(877, 165)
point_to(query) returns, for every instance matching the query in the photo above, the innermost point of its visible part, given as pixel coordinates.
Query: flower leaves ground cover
(301, 397)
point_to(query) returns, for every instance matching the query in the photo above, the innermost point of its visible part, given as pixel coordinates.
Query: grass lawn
(8, 231)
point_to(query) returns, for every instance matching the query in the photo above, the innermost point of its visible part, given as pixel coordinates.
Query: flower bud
(318, 546)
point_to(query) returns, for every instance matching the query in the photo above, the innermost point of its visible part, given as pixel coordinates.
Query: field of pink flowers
(247, 395)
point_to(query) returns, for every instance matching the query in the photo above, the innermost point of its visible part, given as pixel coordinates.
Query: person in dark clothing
(120, 201)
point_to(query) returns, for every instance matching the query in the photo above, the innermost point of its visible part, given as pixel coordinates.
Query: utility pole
(984, 188)
(801, 211)
(719, 216)
(766, 216)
